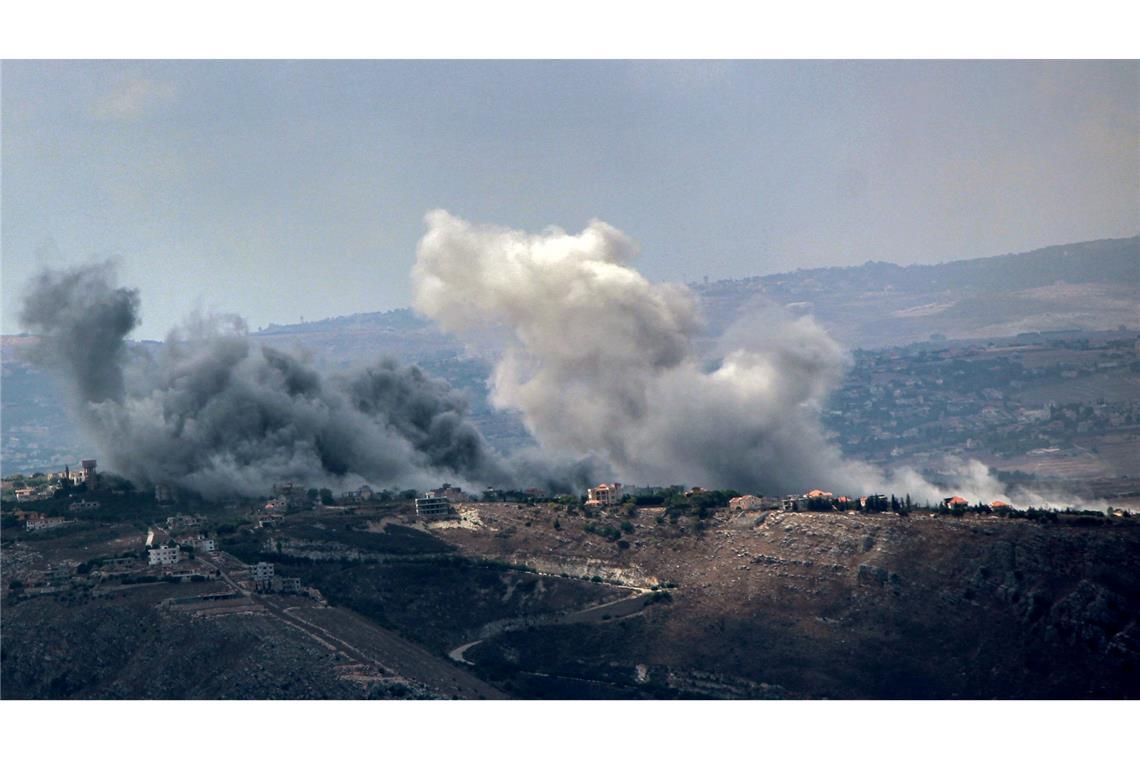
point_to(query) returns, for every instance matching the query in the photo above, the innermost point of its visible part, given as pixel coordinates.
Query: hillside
(1082, 286)
(1092, 286)
(549, 600)
(832, 605)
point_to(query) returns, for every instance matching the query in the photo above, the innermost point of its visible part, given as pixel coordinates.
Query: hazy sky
(286, 189)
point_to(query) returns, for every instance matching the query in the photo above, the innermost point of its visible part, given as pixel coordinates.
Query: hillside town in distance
(169, 546)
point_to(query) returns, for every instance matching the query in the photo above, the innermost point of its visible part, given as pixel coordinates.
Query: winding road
(595, 613)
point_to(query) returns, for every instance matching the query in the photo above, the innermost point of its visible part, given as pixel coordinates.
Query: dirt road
(363, 642)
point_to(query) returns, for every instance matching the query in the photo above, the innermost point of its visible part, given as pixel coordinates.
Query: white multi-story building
(604, 495)
(434, 507)
(206, 545)
(164, 555)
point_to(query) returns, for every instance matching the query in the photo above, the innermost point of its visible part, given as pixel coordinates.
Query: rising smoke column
(215, 414)
(603, 363)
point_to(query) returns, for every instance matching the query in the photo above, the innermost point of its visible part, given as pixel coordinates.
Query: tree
(326, 496)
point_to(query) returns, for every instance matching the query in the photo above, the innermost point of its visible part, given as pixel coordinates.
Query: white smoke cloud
(604, 363)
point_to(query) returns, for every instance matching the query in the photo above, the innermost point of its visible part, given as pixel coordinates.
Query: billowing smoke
(87, 318)
(605, 363)
(215, 414)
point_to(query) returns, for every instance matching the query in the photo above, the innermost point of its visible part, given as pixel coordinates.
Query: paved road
(595, 613)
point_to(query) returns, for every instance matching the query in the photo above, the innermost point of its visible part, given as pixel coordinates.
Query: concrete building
(82, 505)
(89, 475)
(206, 545)
(434, 508)
(163, 494)
(291, 495)
(184, 521)
(604, 495)
(361, 495)
(261, 573)
(44, 523)
(751, 503)
(449, 492)
(164, 555)
(285, 585)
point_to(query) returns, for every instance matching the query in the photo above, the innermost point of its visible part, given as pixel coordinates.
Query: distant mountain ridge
(1092, 285)
(1080, 286)
(1108, 260)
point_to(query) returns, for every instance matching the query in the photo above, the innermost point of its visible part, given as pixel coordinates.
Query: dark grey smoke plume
(604, 363)
(217, 415)
(87, 318)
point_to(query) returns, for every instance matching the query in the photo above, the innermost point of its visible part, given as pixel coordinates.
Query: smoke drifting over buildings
(215, 414)
(605, 363)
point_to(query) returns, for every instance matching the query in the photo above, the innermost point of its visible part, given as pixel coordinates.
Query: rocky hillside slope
(837, 605)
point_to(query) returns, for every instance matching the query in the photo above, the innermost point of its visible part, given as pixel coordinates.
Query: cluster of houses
(289, 497)
(611, 494)
(35, 521)
(164, 546)
(84, 473)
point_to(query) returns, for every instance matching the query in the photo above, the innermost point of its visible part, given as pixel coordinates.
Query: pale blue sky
(287, 189)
